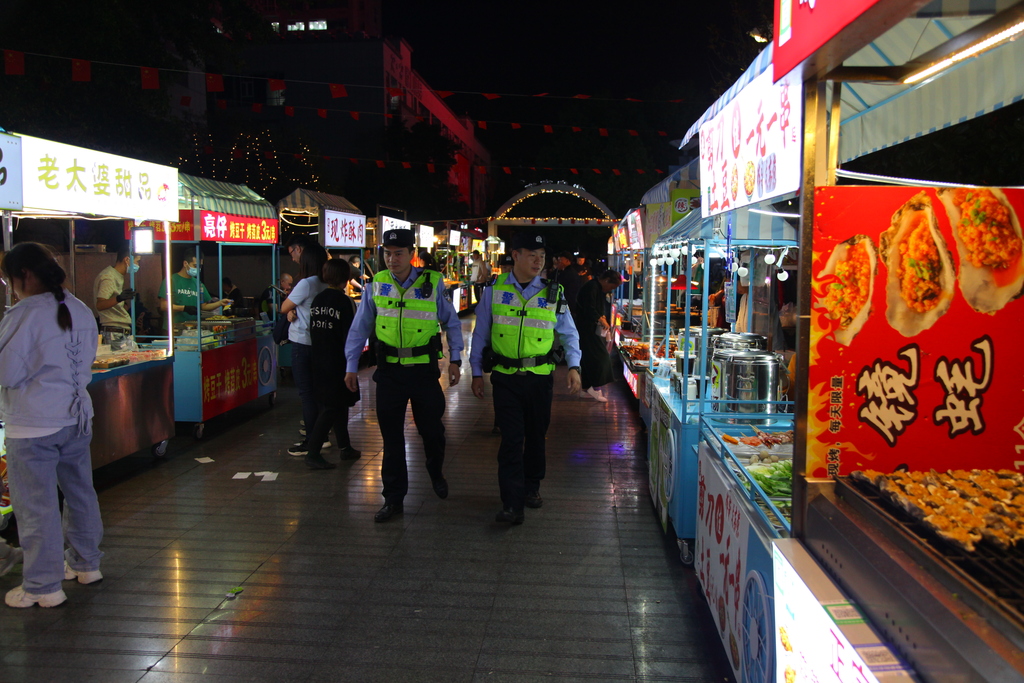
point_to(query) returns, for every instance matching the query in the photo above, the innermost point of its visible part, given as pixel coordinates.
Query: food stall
(221, 361)
(131, 388)
(337, 222)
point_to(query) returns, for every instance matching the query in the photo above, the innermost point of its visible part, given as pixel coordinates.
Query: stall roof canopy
(878, 115)
(310, 201)
(684, 176)
(215, 195)
(757, 224)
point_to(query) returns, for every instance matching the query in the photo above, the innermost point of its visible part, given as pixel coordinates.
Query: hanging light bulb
(734, 266)
(670, 261)
(675, 252)
(742, 271)
(769, 258)
(783, 275)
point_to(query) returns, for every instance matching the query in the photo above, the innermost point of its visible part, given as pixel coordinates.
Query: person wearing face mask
(184, 298)
(111, 297)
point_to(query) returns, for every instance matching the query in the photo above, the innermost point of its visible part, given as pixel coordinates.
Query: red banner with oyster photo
(916, 325)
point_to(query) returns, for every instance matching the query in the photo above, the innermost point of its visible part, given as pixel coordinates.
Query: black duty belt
(530, 362)
(385, 350)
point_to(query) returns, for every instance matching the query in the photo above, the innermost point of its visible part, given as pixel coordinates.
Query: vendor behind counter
(184, 299)
(111, 297)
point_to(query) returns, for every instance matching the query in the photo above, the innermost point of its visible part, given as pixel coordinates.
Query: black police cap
(528, 240)
(399, 238)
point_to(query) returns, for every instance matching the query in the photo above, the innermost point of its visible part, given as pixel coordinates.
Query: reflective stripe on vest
(521, 328)
(405, 317)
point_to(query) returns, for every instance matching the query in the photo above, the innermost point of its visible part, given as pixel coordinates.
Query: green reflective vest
(406, 318)
(521, 328)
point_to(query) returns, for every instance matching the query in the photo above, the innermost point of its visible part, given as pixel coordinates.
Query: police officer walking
(405, 313)
(516, 320)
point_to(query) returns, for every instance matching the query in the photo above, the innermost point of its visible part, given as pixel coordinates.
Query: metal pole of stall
(8, 239)
(71, 257)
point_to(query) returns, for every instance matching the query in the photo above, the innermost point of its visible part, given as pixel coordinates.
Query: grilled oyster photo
(920, 276)
(853, 265)
(989, 243)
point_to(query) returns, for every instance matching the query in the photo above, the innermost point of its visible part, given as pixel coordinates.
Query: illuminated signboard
(389, 223)
(630, 379)
(344, 230)
(803, 26)
(426, 234)
(10, 172)
(224, 227)
(750, 151)
(58, 177)
(453, 238)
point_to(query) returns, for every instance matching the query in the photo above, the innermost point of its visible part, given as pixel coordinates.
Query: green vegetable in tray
(776, 479)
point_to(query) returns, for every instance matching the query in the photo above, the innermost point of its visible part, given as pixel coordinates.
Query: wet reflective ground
(589, 588)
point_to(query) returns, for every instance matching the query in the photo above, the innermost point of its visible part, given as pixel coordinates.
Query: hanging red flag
(185, 101)
(406, 164)
(576, 129)
(326, 158)
(289, 111)
(14, 63)
(380, 163)
(633, 99)
(574, 171)
(541, 94)
(275, 84)
(491, 95)
(662, 133)
(268, 154)
(236, 153)
(596, 170)
(337, 90)
(150, 78)
(443, 93)
(581, 97)
(430, 168)
(675, 101)
(548, 129)
(322, 113)
(297, 156)
(641, 171)
(354, 160)
(394, 92)
(482, 170)
(634, 133)
(507, 170)
(482, 124)
(81, 70)
(354, 115)
(603, 132)
(516, 126)
(658, 170)
(207, 149)
(222, 104)
(214, 83)
(257, 107)
(616, 171)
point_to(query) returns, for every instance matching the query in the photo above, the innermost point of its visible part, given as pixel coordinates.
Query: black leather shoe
(349, 453)
(440, 487)
(387, 512)
(533, 500)
(510, 516)
(318, 463)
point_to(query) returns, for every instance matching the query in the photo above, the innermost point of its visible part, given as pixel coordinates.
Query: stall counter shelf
(132, 407)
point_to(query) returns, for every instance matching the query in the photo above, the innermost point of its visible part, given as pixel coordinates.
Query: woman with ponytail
(47, 347)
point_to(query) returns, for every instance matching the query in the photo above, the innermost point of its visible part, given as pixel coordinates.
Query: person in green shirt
(184, 299)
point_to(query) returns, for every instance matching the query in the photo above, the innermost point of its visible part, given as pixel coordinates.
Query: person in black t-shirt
(330, 317)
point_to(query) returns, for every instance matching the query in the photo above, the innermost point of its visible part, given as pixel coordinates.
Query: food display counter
(134, 408)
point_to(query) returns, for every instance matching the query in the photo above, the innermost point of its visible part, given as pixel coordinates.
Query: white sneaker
(83, 577)
(19, 597)
(15, 556)
(594, 393)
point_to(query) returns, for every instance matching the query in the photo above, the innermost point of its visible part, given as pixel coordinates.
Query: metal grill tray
(997, 575)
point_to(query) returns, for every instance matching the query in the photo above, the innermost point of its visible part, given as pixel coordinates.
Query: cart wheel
(272, 398)
(685, 553)
(160, 449)
(197, 430)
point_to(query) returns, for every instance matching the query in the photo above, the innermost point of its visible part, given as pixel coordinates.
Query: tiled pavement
(588, 589)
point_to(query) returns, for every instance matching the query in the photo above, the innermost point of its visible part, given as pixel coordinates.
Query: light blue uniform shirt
(366, 316)
(564, 326)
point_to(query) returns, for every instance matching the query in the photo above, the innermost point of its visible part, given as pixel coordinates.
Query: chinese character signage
(389, 223)
(683, 201)
(10, 172)
(215, 226)
(343, 230)
(915, 304)
(426, 236)
(803, 26)
(230, 377)
(58, 177)
(750, 151)
(182, 230)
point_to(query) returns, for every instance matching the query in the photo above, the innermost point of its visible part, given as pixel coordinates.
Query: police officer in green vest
(404, 315)
(516, 323)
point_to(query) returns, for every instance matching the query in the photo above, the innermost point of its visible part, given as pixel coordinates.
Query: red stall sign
(230, 377)
(225, 227)
(803, 26)
(182, 230)
(914, 307)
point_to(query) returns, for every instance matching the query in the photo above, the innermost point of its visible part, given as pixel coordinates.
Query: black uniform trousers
(522, 411)
(397, 386)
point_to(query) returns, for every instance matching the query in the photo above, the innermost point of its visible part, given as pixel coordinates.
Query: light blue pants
(35, 468)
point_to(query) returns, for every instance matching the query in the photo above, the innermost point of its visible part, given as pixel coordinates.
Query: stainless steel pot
(740, 340)
(717, 362)
(753, 376)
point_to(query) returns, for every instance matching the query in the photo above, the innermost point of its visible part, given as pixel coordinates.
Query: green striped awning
(310, 201)
(215, 195)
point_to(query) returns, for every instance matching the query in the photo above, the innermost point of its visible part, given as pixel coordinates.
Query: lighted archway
(501, 217)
